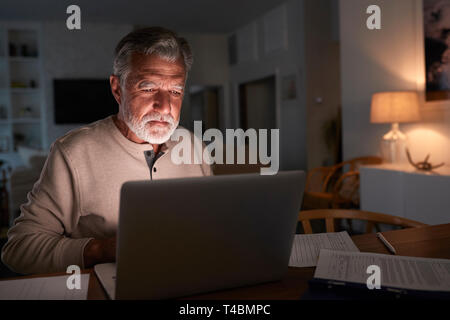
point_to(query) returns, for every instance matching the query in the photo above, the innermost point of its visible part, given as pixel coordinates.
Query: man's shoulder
(93, 133)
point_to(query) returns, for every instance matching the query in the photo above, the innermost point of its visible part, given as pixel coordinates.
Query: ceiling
(211, 16)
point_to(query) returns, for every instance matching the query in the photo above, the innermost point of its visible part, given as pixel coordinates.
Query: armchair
(336, 186)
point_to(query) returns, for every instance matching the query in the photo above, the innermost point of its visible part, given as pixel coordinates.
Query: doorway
(257, 100)
(205, 106)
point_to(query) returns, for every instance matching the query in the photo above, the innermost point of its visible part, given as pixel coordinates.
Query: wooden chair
(372, 219)
(317, 189)
(336, 186)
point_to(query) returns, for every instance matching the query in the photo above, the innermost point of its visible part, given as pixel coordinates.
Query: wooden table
(430, 242)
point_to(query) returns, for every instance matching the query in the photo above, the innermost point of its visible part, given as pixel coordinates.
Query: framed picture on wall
(436, 18)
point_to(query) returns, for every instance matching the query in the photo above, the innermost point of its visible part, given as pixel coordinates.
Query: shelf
(23, 59)
(4, 59)
(22, 67)
(25, 90)
(20, 121)
(26, 120)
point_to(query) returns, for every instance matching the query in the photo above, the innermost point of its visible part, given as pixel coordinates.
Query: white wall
(322, 78)
(210, 68)
(288, 61)
(385, 60)
(85, 53)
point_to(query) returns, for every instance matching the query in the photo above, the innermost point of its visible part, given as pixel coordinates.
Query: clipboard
(325, 289)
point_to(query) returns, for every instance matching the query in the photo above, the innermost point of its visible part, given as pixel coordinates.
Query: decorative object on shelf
(24, 51)
(19, 138)
(12, 50)
(27, 51)
(25, 112)
(21, 84)
(3, 112)
(423, 165)
(22, 101)
(18, 84)
(394, 107)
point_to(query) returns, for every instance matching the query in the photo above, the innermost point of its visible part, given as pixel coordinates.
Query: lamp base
(393, 146)
(395, 133)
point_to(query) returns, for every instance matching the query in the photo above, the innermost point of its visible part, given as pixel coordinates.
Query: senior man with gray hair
(72, 212)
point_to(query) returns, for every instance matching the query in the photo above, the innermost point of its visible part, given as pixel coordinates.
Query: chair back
(317, 179)
(351, 165)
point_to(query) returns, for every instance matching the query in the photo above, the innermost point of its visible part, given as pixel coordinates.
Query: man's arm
(99, 251)
(39, 241)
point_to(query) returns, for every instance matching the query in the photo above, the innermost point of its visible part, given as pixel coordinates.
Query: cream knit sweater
(77, 196)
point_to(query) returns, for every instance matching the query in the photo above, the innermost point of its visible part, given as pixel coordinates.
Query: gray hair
(163, 42)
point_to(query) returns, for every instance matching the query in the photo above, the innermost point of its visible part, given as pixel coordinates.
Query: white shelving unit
(22, 117)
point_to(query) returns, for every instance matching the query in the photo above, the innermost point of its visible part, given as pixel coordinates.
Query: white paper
(46, 288)
(306, 247)
(396, 271)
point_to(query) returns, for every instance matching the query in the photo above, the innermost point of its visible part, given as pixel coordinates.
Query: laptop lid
(180, 237)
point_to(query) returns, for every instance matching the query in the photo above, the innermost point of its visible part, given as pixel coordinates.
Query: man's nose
(162, 102)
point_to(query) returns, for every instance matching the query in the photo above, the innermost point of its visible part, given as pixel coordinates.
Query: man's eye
(176, 93)
(149, 90)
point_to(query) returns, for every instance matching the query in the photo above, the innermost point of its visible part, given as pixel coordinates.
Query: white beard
(153, 134)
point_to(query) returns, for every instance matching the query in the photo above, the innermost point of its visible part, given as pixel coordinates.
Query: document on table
(395, 271)
(47, 288)
(306, 247)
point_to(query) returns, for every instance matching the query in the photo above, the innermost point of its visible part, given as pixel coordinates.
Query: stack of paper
(421, 274)
(306, 247)
(49, 288)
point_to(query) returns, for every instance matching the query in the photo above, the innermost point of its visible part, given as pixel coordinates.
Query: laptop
(180, 237)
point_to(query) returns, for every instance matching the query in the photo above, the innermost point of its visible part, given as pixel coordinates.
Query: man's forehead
(147, 72)
(147, 65)
(155, 78)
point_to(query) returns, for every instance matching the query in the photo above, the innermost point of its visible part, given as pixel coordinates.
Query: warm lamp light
(394, 107)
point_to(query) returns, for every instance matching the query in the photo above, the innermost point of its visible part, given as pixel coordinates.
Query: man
(72, 212)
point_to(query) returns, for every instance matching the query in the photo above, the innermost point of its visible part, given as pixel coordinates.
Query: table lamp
(394, 107)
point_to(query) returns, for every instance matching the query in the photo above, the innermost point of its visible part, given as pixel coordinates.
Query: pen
(386, 243)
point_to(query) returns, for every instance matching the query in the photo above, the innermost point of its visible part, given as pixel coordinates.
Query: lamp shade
(396, 106)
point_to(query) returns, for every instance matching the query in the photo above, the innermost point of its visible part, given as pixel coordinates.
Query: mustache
(156, 116)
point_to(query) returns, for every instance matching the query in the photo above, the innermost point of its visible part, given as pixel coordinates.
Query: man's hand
(99, 251)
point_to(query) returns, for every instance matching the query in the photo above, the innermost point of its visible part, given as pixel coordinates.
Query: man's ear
(115, 88)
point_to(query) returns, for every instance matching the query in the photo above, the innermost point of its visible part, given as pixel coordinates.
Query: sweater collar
(133, 146)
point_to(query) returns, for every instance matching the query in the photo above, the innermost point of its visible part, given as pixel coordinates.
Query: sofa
(22, 180)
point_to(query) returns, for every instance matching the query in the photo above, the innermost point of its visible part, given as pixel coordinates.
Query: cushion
(26, 153)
